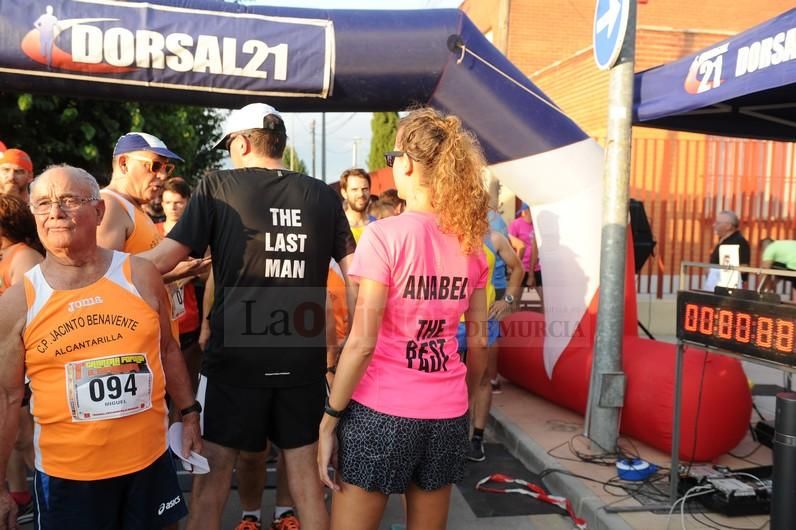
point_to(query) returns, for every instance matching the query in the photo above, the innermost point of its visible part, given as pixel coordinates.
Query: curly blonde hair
(453, 172)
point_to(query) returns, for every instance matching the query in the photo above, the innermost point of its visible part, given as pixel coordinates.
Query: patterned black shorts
(380, 452)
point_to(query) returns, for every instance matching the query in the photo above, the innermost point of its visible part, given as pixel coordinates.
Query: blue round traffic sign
(610, 26)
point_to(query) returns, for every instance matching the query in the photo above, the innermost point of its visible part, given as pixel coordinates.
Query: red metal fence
(685, 183)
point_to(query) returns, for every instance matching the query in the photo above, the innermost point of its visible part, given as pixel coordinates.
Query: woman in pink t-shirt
(400, 393)
(522, 228)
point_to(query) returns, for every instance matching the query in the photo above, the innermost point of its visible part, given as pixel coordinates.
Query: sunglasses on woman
(390, 156)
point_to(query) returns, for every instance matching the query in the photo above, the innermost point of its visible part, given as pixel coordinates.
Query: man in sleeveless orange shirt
(140, 166)
(89, 328)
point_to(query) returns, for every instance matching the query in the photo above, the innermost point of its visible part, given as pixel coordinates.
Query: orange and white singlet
(145, 236)
(93, 359)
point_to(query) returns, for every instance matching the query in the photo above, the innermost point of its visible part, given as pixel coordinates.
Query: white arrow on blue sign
(610, 26)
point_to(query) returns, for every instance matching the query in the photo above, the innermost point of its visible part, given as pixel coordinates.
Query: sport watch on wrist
(334, 413)
(509, 299)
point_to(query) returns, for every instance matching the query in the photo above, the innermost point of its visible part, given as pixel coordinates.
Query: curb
(585, 503)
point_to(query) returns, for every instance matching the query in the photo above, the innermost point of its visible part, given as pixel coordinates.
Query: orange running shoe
(249, 523)
(288, 521)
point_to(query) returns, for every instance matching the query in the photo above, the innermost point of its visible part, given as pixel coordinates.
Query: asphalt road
(459, 518)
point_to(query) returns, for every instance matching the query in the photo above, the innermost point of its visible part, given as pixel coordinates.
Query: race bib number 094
(109, 387)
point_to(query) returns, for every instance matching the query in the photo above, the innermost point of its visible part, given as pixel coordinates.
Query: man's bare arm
(766, 281)
(332, 348)
(187, 269)
(514, 284)
(207, 304)
(516, 272)
(351, 288)
(167, 255)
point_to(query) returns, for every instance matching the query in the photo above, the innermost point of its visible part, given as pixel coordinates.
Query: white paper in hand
(729, 255)
(196, 463)
(712, 280)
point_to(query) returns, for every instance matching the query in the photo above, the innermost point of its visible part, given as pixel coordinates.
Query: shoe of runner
(25, 512)
(288, 521)
(249, 523)
(476, 451)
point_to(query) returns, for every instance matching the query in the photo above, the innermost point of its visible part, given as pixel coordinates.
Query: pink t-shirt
(416, 371)
(523, 230)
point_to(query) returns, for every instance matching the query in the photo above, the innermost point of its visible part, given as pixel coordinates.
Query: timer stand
(746, 325)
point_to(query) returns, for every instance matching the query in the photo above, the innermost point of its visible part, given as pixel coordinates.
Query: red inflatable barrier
(716, 401)
(649, 398)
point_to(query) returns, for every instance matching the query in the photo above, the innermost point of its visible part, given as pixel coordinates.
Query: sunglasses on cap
(155, 166)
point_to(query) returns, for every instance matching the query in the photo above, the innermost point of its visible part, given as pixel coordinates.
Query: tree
(384, 125)
(294, 162)
(83, 132)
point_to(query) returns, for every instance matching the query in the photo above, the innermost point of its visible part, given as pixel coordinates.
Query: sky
(342, 129)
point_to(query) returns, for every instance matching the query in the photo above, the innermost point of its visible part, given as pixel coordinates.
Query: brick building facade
(684, 179)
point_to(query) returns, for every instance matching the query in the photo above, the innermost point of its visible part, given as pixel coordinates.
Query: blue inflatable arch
(330, 61)
(218, 54)
(226, 55)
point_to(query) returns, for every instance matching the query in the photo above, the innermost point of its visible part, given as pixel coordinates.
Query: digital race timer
(739, 325)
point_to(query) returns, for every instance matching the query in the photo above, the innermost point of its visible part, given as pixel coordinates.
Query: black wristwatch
(334, 413)
(196, 407)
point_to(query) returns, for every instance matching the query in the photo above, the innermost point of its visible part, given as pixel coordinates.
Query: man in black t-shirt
(726, 227)
(271, 232)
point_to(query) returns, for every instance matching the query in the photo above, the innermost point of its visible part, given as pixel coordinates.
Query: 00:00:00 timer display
(740, 327)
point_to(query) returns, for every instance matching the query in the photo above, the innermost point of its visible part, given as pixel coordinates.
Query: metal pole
(292, 147)
(323, 146)
(354, 157)
(674, 472)
(502, 29)
(783, 509)
(606, 393)
(312, 133)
